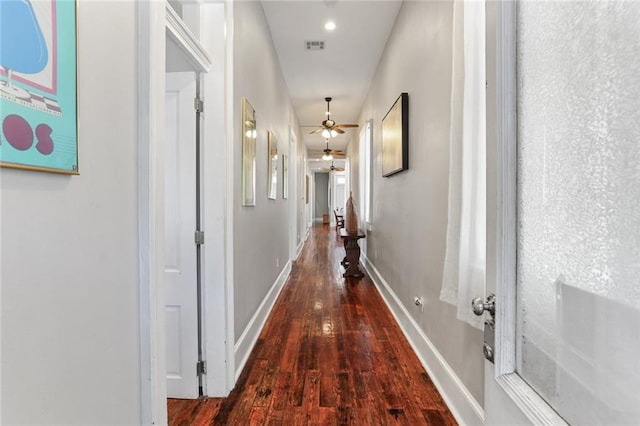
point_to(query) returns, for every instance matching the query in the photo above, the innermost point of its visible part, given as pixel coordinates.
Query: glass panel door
(578, 243)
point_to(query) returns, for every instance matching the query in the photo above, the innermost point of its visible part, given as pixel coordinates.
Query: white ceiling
(343, 70)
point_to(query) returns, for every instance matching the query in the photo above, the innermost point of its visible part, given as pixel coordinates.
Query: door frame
(150, 86)
(151, 54)
(502, 378)
(292, 196)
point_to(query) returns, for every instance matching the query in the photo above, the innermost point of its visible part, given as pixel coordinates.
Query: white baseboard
(463, 406)
(300, 247)
(250, 335)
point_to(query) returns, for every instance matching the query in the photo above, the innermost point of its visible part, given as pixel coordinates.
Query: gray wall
(70, 330)
(321, 191)
(260, 232)
(407, 244)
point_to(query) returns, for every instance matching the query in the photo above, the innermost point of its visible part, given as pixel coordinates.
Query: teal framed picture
(38, 90)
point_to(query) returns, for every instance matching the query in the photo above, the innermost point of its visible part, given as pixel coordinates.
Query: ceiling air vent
(315, 45)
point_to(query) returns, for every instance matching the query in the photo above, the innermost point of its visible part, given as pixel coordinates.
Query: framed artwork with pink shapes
(38, 91)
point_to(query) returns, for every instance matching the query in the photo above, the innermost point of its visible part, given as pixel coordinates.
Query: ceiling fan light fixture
(327, 152)
(329, 128)
(328, 123)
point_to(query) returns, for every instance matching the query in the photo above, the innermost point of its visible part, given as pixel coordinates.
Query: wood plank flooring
(331, 353)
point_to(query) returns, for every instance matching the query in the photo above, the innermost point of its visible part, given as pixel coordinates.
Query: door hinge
(201, 368)
(199, 237)
(198, 104)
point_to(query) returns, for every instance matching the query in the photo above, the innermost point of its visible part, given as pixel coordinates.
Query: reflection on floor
(330, 353)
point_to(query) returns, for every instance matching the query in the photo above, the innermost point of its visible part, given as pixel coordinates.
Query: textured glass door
(578, 207)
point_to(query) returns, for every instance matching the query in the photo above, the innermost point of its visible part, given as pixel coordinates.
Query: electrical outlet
(419, 301)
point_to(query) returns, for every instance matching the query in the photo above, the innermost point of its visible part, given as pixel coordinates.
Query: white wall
(407, 241)
(260, 232)
(70, 351)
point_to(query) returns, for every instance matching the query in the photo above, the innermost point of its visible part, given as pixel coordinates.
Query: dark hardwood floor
(330, 353)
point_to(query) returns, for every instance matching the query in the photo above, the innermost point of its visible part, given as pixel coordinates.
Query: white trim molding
(150, 115)
(230, 197)
(463, 406)
(502, 217)
(300, 247)
(185, 41)
(216, 195)
(250, 335)
(528, 401)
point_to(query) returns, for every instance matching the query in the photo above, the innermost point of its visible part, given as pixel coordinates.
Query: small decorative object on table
(350, 217)
(350, 236)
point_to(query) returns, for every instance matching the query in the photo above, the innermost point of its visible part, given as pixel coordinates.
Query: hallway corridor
(330, 353)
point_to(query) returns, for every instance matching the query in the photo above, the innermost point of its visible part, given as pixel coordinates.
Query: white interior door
(564, 212)
(180, 225)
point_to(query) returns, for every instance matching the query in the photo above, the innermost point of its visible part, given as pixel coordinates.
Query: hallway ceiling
(345, 67)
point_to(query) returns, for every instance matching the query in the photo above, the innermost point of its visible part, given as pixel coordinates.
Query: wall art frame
(395, 137)
(272, 166)
(306, 189)
(249, 136)
(38, 86)
(285, 176)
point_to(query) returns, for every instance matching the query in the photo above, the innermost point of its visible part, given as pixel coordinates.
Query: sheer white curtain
(464, 266)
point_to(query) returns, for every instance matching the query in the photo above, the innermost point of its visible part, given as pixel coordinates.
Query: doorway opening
(321, 197)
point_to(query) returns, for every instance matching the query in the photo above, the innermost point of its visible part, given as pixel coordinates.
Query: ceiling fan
(329, 128)
(326, 153)
(333, 168)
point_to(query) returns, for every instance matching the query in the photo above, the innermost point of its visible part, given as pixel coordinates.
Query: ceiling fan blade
(347, 125)
(339, 130)
(315, 131)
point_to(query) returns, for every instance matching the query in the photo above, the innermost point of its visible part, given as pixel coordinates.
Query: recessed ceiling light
(330, 26)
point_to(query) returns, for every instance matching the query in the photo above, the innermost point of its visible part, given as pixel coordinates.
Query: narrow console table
(352, 251)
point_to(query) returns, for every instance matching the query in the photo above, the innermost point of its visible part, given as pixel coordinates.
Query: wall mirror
(285, 177)
(249, 135)
(273, 167)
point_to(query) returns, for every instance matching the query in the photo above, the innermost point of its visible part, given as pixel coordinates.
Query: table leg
(352, 249)
(345, 261)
